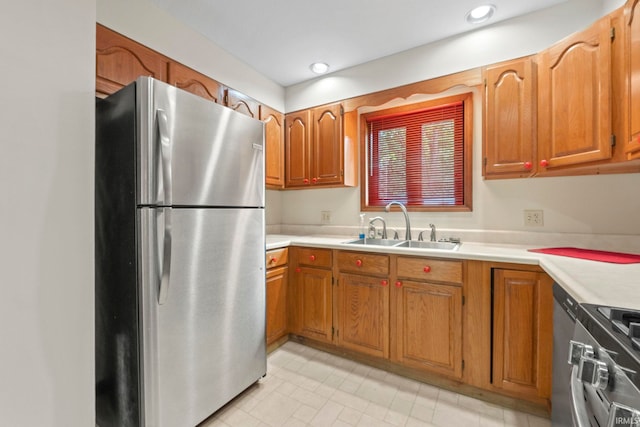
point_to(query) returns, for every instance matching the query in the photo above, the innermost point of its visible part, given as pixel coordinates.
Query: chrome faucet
(433, 232)
(384, 225)
(407, 233)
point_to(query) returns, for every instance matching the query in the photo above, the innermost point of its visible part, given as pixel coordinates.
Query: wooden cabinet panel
(313, 287)
(363, 317)
(363, 263)
(277, 257)
(314, 257)
(276, 304)
(509, 120)
(119, 61)
(574, 99)
(430, 269)
(192, 81)
(273, 147)
(327, 145)
(522, 332)
(297, 149)
(429, 327)
(632, 20)
(242, 103)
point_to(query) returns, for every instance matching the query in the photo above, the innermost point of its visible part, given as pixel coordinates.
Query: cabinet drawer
(358, 262)
(314, 257)
(427, 269)
(277, 257)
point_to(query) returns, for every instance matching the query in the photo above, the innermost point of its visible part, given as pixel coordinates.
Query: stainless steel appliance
(603, 360)
(180, 240)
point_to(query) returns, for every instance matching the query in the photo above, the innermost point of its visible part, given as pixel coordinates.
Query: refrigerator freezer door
(194, 152)
(206, 343)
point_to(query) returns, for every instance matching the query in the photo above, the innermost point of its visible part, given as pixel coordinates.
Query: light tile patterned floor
(308, 387)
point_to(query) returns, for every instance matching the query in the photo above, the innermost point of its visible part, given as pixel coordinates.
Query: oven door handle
(578, 409)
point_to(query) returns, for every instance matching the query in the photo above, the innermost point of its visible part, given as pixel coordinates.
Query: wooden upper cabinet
(632, 29)
(297, 149)
(327, 145)
(192, 81)
(314, 147)
(522, 332)
(574, 99)
(241, 103)
(274, 147)
(509, 120)
(119, 61)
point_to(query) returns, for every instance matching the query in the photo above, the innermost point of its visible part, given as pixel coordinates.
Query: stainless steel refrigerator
(180, 261)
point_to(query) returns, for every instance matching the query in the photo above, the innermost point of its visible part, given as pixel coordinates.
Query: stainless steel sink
(375, 242)
(448, 246)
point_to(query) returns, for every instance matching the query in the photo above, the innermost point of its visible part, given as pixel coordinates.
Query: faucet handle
(420, 239)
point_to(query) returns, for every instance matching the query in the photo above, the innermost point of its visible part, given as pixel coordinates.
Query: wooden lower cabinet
(311, 284)
(363, 317)
(429, 327)
(522, 332)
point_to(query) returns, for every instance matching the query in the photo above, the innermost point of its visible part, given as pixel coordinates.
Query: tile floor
(308, 387)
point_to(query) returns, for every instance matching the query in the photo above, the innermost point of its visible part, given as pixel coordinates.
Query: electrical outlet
(533, 217)
(325, 217)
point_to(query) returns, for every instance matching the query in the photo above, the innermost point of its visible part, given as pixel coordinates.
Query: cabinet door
(363, 314)
(298, 149)
(192, 81)
(574, 106)
(632, 19)
(119, 61)
(314, 308)
(276, 303)
(509, 120)
(274, 147)
(522, 332)
(429, 327)
(241, 103)
(327, 163)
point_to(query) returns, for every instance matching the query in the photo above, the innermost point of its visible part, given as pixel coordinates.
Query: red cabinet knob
(398, 284)
(544, 163)
(312, 257)
(384, 283)
(528, 165)
(298, 270)
(426, 269)
(359, 262)
(314, 180)
(638, 139)
(273, 260)
(306, 181)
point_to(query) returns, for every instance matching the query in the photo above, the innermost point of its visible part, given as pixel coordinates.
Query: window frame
(467, 101)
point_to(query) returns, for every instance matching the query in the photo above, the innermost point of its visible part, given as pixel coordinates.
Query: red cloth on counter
(591, 254)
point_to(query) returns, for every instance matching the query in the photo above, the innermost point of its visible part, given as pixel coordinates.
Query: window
(419, 155)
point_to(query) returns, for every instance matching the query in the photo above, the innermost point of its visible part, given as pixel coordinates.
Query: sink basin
(375, 242)
(448, 246)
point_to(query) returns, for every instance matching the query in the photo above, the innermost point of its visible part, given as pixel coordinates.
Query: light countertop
(587, 281)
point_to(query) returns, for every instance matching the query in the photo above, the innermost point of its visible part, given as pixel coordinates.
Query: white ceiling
(281, 38)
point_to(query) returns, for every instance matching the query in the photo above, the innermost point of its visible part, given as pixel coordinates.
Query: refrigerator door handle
(165, 154)
(165, 274)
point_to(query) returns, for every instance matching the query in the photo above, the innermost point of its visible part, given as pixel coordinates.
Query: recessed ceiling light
(319, 67)
(480, 14)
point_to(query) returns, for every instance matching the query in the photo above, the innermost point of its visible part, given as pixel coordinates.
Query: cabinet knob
(528, 165)
(298, 270)
(638, 139)
(273, 260)
(384, 283)
(398, 284)
(359, 262)
(306, 180)
(426, 269)
(314, 180)
(544, 163)
(312, 257)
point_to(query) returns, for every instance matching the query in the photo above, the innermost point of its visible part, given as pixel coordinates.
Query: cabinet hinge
(484, 161)
(463, 364)
(613, 33)
(226, 99)
(333, 331)
(485, 82)
(613, 140)
(463, 299)
(341, 110)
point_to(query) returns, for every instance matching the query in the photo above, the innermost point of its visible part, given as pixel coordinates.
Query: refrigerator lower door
(204, 343)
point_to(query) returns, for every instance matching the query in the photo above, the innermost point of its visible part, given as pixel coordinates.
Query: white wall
(152, 26)
(46, 182)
